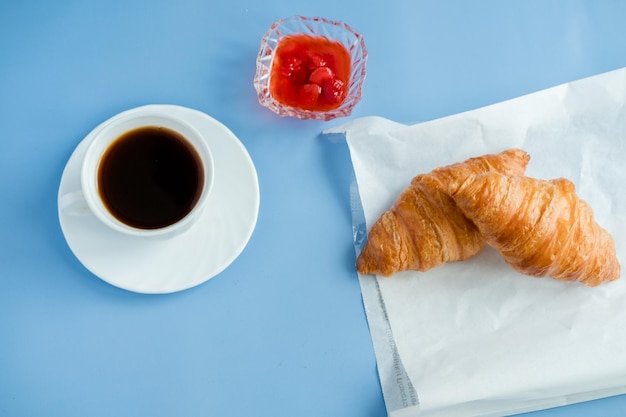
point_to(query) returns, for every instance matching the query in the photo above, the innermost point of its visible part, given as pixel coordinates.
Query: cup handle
(74, 204)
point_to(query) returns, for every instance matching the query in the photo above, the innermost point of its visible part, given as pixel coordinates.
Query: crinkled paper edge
(398, 391)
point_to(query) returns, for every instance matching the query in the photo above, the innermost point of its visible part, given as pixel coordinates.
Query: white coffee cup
(89, 199)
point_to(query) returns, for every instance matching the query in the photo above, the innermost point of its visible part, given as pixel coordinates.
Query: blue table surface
(282, 331)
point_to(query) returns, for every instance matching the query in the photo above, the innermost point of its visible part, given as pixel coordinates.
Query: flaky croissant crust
(425, 228)
(541, 227)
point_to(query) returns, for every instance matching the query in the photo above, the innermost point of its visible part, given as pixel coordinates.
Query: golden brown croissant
(424, 228)
(542, 228)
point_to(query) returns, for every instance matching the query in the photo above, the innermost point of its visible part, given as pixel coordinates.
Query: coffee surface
(150, 177)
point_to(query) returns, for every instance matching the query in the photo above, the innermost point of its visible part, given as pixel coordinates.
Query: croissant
(425, 228)
(542, 228)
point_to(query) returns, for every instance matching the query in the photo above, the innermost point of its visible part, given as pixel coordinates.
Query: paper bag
(475, 338)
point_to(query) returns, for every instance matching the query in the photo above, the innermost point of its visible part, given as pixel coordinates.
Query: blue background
(282, 331)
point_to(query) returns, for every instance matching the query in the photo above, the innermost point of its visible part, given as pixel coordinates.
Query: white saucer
(184, 261)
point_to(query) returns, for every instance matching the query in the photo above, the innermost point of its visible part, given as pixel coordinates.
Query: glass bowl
(315, 27)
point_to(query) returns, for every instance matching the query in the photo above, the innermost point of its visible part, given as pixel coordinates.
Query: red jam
(310, 73)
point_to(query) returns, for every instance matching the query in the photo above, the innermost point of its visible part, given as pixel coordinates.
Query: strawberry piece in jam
(310, 73)
(334, 90)
(321, 75)
(315, 60)
(309, 94)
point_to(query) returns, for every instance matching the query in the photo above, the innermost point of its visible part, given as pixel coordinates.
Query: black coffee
(150, 177)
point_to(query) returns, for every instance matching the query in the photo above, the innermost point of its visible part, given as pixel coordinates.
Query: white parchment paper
(475, 337)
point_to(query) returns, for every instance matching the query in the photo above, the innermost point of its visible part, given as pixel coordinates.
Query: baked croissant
(542, 228)
(425, 228)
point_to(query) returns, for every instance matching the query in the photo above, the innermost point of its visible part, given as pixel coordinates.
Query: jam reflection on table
(310, 73)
